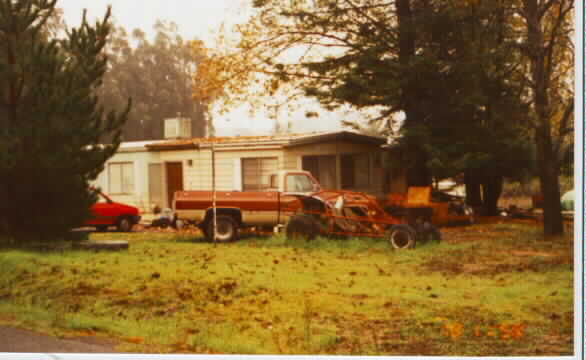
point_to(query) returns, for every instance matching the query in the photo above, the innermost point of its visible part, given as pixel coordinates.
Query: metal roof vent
(177, 128)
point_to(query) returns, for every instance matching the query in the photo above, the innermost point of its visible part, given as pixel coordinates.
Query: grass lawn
(491, 289)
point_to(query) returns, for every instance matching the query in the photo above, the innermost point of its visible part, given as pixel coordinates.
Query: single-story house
(147, 173)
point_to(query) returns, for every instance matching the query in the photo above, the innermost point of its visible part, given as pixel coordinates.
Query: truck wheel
(227, 229)
(302, 227)
(401, 237)
(124, 224)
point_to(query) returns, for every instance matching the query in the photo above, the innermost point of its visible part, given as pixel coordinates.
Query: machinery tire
(227, 229)
(401, 237)
(302, 227)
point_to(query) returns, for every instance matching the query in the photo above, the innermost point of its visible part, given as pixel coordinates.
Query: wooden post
(214, 191)
(211, 138)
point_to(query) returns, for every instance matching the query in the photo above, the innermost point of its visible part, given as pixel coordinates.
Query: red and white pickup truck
(238, 209)
(295, 199)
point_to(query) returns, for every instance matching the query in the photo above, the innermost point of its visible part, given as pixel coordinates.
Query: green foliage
(51, 129)
(462, 92)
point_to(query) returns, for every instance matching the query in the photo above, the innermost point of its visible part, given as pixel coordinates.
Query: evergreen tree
(452, 69)
(51, 128)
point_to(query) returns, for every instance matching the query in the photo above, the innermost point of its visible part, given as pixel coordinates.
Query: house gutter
(243, 145)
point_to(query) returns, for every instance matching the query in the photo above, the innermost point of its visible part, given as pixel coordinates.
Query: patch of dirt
(532, 253)
(475, 268)
(20, 340)
(490, 269)
(360, 335)
(441, 266)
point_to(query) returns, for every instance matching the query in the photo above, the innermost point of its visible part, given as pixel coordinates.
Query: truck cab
(293, 182)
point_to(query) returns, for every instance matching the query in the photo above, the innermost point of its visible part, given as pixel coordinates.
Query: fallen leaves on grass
(134, 339)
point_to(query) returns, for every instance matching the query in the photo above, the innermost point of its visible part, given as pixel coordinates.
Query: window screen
(355, 171)
(121, 178)
(323, 168)
(256, 171)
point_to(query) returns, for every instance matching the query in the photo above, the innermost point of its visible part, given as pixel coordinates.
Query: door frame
(168, 199)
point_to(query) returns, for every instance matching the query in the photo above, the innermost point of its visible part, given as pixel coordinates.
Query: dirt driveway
(18, 340)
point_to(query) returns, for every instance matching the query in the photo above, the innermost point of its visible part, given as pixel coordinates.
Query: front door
(174, 180)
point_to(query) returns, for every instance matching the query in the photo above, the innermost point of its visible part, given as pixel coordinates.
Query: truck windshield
(299, 183)
(274, 181)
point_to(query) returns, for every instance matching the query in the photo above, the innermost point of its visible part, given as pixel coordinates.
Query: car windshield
(299, 183)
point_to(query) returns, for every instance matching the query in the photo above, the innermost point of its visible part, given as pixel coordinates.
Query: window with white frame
(256, 171)
(121, 178)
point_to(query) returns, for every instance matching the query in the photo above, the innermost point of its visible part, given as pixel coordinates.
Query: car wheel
(302, 227)
(227, 229)
(401, 237)
(124, 225)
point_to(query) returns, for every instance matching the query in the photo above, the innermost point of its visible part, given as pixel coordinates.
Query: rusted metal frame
(354, 218)
(365, 201)
(374, 234)
(361, 219)
(371, 235)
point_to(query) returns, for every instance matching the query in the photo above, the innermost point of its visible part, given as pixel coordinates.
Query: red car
(108, 213)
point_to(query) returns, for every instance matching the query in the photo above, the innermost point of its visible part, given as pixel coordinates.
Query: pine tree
(51, 126)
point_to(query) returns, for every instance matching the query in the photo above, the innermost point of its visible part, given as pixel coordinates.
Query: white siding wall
(198, 175)
(140, 160)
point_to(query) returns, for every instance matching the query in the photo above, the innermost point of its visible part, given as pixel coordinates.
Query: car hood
(129, 208)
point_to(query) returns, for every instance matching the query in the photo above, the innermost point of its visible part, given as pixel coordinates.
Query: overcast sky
(195, 19)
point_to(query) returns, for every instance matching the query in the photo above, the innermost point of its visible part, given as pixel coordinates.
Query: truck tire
(302, 227)
(227, 229)
(401, 237)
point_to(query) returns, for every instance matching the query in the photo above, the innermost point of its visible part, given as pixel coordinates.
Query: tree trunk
(418, 174)
(550, 187)
(541, 60)
(473, 195)
(492, 188)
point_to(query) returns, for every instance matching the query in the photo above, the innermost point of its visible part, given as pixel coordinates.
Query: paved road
(18, 340)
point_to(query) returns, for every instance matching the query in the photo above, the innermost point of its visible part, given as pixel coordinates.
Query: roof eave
(170, 147)
(338, 136)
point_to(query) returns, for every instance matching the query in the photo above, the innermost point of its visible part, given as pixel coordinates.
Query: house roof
(289, 140)
(133, 146)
